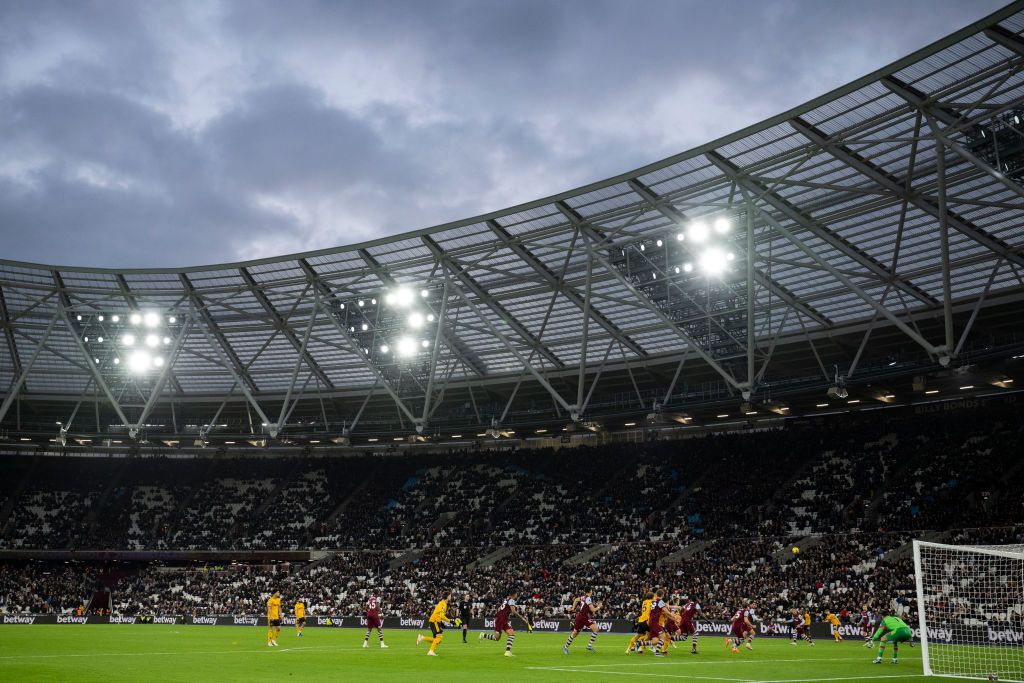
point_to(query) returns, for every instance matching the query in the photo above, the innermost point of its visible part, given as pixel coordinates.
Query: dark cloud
(154, 134)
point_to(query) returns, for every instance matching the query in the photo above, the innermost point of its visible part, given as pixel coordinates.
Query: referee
(465, 611)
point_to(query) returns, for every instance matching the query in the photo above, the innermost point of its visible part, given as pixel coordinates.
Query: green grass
(229, 653)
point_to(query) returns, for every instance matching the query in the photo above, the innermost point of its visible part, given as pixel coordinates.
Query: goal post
(970, 606)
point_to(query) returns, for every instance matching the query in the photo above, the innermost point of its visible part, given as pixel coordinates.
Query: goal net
(970, 604)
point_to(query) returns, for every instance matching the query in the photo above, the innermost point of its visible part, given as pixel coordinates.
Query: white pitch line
(182, 652)
(605, 672)
(730, 662)
(844, 678)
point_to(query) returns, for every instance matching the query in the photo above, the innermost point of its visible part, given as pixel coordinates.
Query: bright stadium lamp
(152, 341)
(151, 319)
(416, 321)
(713, 261)
(384, 348)
(139, 361)
(688, 267)
(128, 340)
(722, 226)
(698, 231)
(135, 319)
(402, 297)
(158, 361)
(116, 318)
(406, 346)
(425, 344)
(424, 293)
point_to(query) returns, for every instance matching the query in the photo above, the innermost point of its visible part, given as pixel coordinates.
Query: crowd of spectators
(713, 516)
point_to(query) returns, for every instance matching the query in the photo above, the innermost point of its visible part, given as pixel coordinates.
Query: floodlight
(424, 293)
(406, 346)
(128, 339)
(430, 317)
(383, 348)
(373, 301)
(152, 340)
(172, 320)
(115, 318)
(659, 244)
(643, 248)
(78, 318)
(401, 297)
(100, 318)
(365, 327)
(135, 318)
(139, 361)
(688, 267)
(680, 237)
(158, 361)
(360, 302)
(86, 339)
(425, 344)
(151, 319)
(416, 320)
(167, 340)
(722, 226)
(117, 361)
(99, 339)
(677, 270)
(698, 231)
(713, 261)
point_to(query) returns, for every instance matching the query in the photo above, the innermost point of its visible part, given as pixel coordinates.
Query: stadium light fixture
(680, 237)
(158, 361)
(78, 318)
(713, 261)
(117, 361)
(115, 318)
(853, 401)
(151, 319)
(401, 297)
(430, 317)
(406, 346)
(128, 339)
(152, 341)
(697, 231)
(688, 267)
(425, 344)
(139, 361)
(969, 386)
(722, 226)
(100, 318)
(384, 348)
(659, 243)
(416, 320)
(361, 303)
(931, 391)
(750, 412)
(365, 327)
(722, 415)
(821, 405)
(373, 439)
(99, 339)
(630, 424)
(643, 248)
(135, 319)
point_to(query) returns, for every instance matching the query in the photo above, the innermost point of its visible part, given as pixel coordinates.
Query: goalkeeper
(892, 630)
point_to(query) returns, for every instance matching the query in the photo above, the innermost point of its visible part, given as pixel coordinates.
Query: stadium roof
(883, 220)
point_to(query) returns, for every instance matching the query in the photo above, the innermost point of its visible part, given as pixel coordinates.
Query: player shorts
(687, 628)
(582, 622)
(275, 623)
(671, 626)
(640, 627)
(900, 635)
(738, 629)
(373, 622)
(501, 625)
(801, 630)
(436, 628)
(300, 621)
(654, 629)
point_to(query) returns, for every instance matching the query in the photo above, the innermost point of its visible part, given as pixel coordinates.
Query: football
(796, 551)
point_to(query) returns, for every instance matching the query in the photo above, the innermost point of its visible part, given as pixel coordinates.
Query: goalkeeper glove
(458, 621)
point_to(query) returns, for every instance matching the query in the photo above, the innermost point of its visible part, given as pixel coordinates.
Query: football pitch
(230, 653)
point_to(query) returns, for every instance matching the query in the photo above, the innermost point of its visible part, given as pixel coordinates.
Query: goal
(970, 605)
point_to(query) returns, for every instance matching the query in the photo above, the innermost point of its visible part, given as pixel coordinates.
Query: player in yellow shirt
(834, 620)
(640, 626)
(273, 619)
(438, 618)
(300, 617)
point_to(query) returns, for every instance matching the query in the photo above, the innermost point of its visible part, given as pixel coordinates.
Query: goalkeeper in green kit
(892, 630)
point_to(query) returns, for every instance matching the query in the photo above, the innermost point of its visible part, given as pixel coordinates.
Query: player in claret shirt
(687, 626)
(584, 619)
(373, 621)
(503, 623)
(741, 627)
(801, 629)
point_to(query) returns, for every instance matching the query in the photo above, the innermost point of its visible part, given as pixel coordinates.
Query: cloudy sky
(138, 134)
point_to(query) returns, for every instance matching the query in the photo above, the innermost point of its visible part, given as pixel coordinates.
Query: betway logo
(488, 623)
(1005, 636)
(13, 619)
(328, 621)
(206, 621)
(545, 625)
(605, 626)
(942, 635)
(61, 619)
(418, 623)
(245, 621)
(165, 620)
(122, 620)
(711, 627)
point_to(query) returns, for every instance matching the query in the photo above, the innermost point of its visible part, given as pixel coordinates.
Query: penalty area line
(606, 672)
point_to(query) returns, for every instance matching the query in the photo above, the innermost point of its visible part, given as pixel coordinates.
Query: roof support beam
(228, 360)
(1003, 37)
(445, 265)
(282, 324)
(451, 340)
(327, 293)
(820, 231)
(97, 377)
(556, 283)
(12, 347)
(489, 301)
(590, 238)
(936, 110)
(666, 209)
(235, 365)
(865, 167)
(812, 254)
(22, 375)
